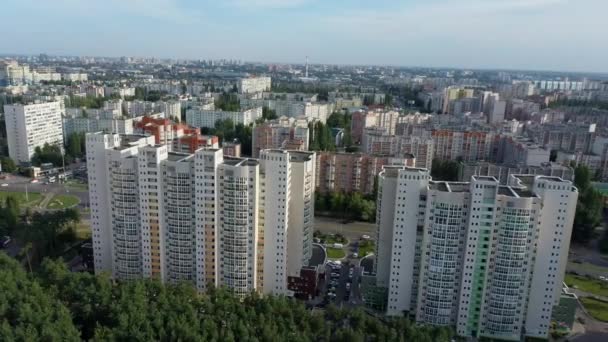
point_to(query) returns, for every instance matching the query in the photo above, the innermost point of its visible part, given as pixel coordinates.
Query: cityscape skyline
(354, 33)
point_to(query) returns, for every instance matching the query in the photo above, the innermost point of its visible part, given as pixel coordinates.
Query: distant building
(352, 172)
(232, 148)
(254, 84)
(198, 117)
(282, 133)
(32, 125)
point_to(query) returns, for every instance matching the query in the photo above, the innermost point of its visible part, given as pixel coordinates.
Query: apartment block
(353, 172)
(254, 85)
(468, 145)
(387, 120)
(485, 258)
(202, 218)
(32, 125)
(198, 117)
(283, 133)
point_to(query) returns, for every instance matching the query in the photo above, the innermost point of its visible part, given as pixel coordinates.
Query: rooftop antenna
(306, 75)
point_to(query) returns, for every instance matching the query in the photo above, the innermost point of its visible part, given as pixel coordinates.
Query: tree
(76, 145)
(445, 170)
(8, 165)
(47, 154)
(57, 305)
(269, 114)
(9, 216)
(228, 102)
(588, 208)
(30, 312)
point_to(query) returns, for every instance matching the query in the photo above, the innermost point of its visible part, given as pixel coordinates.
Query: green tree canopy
(58, 305)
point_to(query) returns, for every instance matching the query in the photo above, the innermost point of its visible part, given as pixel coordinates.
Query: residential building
(503, 172)
(282, 133)
(32, 125)
(352, 172)
(523, 151)
(419, 147)
(485, 258)
(254, 85)
(232, 148)
(465, 144)
(98, 123)
(379, 118)
(198, 117)
(200, 218)
(377, 141)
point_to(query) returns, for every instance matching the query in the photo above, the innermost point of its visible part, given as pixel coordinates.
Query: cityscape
(230, 199)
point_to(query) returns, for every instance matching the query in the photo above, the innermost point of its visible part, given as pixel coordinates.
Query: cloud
(268, 4)
(163, 10)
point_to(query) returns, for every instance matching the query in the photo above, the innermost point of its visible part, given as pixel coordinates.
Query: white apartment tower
(33, 125)
(202, 218)
(485, 258)
(288, 215)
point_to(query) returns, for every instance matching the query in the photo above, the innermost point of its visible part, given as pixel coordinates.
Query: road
(21, 184)
(352, 231)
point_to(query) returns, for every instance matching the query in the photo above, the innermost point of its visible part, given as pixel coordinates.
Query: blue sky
(528, 34)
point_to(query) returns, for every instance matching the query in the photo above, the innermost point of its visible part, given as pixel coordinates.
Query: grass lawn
(63, 201)
(587, 268)
(593, 286)
(335, 253)
(366, 248)
(596, 308)
(33, 198)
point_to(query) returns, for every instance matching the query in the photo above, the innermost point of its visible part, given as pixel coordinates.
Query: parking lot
(340, 286)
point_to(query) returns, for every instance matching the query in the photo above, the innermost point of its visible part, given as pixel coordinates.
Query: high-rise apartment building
(201, 218)
(32, 125)
(486, 258)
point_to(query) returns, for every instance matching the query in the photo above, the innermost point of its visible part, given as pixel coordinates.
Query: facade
(200, 218)
(283, 133)
(468, 145)
(352, 172)
(79, 124)
(421, 148)
(197, 117)
(522, 151)
(377, 141)
(30, 126)
(485, 258)
(254, 85)
(232, 149)
(386, 120)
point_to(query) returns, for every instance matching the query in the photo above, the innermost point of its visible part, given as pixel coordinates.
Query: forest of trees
(226, 130)
(228, 102)
(589, 207)
(353, 206)
(320, 137)
(342, 120)
(444, 170)
(57, 305)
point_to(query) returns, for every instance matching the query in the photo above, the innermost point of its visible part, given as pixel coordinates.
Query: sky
(563, 35)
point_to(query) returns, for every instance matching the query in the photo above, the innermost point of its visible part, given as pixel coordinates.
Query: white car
(4, 184)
